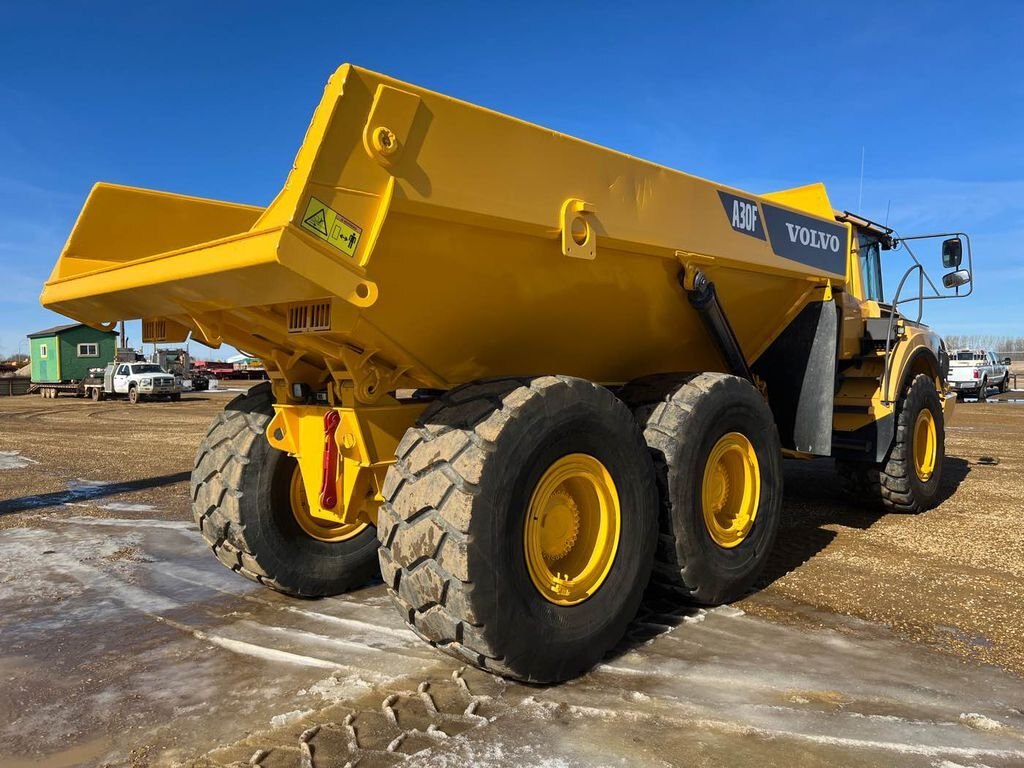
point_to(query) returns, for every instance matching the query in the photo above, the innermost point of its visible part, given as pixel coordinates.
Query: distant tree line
(990, 342)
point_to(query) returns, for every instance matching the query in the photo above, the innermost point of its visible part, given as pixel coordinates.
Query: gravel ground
(873, 640)
(950, 578)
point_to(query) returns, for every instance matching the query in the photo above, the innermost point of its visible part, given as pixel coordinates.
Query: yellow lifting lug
(827, 296)
(579, 240)
(387, 128)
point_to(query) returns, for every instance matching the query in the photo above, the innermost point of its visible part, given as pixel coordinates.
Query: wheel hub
(572, 527)
(318, 528)
(560, 527)
(731, 490)
(926, 445)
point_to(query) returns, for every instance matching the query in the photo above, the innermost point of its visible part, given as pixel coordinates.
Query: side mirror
(1007, 361)
(952, 253)
(956, 279)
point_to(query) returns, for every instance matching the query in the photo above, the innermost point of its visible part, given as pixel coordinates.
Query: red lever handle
(328, 486)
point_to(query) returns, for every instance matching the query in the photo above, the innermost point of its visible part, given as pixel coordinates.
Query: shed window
(42, 351)
(88, 350)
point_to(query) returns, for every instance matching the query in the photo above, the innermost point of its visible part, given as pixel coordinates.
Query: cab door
(121, 379)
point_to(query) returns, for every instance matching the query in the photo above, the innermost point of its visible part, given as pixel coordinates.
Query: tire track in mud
(387, 725)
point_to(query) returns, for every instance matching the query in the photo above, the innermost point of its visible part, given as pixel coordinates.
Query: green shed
(67, 352)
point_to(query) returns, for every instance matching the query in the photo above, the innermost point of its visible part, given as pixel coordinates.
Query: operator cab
(872, 239)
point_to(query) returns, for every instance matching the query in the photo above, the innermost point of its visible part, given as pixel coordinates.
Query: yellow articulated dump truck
(512, 371)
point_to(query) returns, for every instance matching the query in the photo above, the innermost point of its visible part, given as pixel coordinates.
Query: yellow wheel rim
(926, 445)
(572, 529)
(324, 530)
(731, 490)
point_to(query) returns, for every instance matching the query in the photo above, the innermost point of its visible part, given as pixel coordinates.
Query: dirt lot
(873, 640)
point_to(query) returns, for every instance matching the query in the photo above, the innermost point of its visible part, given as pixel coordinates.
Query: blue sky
(212, 99)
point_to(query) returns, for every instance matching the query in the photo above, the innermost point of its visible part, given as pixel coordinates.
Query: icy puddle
(14, 460)
(126, 640)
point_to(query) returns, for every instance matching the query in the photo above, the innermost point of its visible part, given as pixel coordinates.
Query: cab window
(869, 253)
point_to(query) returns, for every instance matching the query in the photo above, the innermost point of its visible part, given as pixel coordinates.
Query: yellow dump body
(423, 241)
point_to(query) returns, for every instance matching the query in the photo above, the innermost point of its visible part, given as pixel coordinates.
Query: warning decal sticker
(331, 227)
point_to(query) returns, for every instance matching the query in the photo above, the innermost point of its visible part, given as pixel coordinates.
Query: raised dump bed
(441, 237)
(521, 276)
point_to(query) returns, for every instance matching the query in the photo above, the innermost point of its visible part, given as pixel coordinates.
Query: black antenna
(888, 205)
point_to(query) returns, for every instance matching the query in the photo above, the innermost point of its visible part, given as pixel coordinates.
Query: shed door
(46, 360)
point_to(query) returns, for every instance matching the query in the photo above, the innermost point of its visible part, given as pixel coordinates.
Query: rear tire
(983, 391)
(241, 502)
(684, 430)
(96, 393)
(460, 505)
(896, 483)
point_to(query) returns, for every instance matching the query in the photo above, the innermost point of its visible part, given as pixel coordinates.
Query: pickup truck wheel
(1004, 385)
(983, 391)
(96, 393)
(249, 508)
(908, 480)
(519, 525)
(719, 467)
(133, 394)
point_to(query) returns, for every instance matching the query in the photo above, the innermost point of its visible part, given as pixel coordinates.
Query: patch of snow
(279, 721)
(982, 723)
(370, 633)
(337, 688)
(87, 486)
(14, 460)
(125, 522)
(120, 506)
(728, 611)
(251, 649)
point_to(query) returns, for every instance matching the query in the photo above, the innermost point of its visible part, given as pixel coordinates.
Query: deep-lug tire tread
(215, 492)
(889, 483)
(434, 494)
(662, 406)
(217, 499)
(424, 523)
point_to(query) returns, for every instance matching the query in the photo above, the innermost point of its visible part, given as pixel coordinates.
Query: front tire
(133, 395)
(243, 500)
(519, 525)
(908, 480)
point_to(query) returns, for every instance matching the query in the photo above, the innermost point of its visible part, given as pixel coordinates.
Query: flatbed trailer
(52, 389)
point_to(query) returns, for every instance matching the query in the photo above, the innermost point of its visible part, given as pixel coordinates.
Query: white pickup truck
(973, 371)
(136, 381)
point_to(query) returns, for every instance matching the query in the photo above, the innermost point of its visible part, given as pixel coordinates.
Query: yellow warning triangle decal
(318, 221)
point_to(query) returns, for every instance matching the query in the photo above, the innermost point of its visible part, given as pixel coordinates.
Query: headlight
(146, 382)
